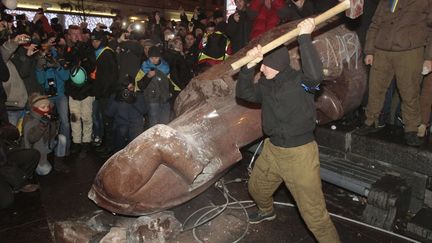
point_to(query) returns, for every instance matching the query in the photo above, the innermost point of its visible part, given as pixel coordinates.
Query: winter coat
(59, 75)
(129, 58)
(8, 133)
(38, 129)
(126, 114)
(239, 32)
(266, 19)
(26, 67)
(10, 172)
(80, 54)
(409, 27)
(214, 48)
(180, 73)
(42, 26)
(14, 87)
(162, 66)
(4, 77)
(48, 71)
(105, 74)
(158, 88)
(191, 57)
(288, 111)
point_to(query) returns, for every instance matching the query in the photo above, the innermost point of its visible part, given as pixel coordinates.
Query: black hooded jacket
(288, 111)
(106, 82)
(239, 32)
(129, 55)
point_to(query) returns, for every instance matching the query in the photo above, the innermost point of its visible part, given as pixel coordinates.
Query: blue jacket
(59, 74)
(163, 66)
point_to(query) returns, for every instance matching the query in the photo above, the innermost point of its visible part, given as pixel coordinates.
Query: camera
(46, 119)
(52, 88)
(152, 69)
(125, 95)
(50, 62)
(25, 40)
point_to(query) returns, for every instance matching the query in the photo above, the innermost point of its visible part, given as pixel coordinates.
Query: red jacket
(266, 18)
(45, 25)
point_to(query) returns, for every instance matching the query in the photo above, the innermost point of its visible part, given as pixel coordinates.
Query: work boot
(60, 166)
(412, 139)
(75, 148)
(259, 216)
(366, 129)
(84, 150)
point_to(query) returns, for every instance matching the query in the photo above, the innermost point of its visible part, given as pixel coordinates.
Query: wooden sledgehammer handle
(346, 4)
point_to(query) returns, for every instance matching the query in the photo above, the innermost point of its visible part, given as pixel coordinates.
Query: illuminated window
(69, 18)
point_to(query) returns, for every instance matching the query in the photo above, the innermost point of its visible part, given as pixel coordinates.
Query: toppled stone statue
(170, 164)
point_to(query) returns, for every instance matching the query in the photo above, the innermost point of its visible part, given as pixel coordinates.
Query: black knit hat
(98, 35)
(154, 51)
(277, 59)
(218, 14)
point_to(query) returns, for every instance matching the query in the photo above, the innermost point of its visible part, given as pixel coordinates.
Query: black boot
(84, 150)
(412, 139)
(60, 166)
(75, 148)
(366, 129)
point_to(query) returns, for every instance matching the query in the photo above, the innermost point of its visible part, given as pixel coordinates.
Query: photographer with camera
(14, 88)
(157, 87)
(41, 24)
(25, 61)
(23, 25)
(41, 133)
(128, 110)
(80, 59)
(52, 77)
(239, 26)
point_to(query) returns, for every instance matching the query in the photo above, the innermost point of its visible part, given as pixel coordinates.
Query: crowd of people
(67, 90)
(70, 89)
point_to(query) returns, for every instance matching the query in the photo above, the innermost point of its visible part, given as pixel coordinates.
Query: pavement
(64, 197)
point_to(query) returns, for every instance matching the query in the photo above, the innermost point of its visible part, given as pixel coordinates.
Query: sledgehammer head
(355, 8)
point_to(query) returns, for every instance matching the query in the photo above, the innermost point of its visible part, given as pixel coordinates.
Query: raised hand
(255, 54)
(306, 26)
